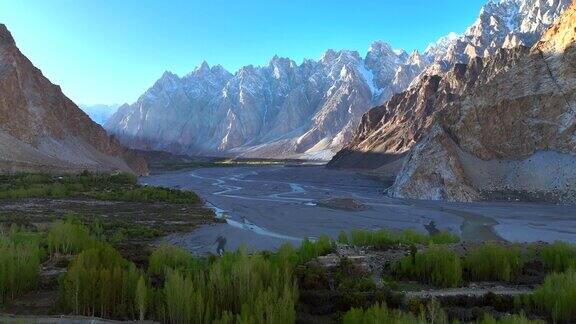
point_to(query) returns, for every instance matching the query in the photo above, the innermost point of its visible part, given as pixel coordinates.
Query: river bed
(267, 206)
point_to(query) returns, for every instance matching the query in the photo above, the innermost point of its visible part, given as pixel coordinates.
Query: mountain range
(309, 110)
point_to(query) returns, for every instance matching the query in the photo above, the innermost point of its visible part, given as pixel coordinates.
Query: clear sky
(111, 51)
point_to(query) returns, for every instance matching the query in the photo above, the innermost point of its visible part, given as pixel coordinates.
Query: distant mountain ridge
(311, 110)
(99, 113)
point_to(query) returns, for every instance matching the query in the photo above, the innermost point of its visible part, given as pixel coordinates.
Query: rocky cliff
(386, 133)
(512, 135)
(42, 130)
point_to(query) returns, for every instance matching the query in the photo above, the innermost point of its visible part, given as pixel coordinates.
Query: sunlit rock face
(42, 130)
(511, 132)
(447, 69)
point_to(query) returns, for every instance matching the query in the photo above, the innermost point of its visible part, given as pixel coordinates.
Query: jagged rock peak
(416, 58)
(204, 67)
(441, 45)
(168, 75)
(167, 80)
(501, 23)
(381, 46)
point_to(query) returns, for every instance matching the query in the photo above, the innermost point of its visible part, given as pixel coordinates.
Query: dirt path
(474, 291)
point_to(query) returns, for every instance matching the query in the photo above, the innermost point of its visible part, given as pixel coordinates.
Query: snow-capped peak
(442, 44)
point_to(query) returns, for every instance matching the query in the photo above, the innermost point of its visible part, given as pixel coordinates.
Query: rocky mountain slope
(309, 110)
(386, 133)
(499, 127)
(43, 130)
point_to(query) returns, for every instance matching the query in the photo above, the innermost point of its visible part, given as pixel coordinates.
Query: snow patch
(369, 78)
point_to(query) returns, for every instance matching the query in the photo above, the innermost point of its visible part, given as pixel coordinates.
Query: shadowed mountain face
(42, 130)
(502, 126)
(311, 110)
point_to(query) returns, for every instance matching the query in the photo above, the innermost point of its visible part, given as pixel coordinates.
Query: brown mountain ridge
(43, 130)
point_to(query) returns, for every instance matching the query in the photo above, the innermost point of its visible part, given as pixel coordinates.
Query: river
(267, 206)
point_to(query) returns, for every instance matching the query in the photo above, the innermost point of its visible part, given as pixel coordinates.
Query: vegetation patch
(558, 256)
(437, 265)
(556, 297)
(99, 282)
(111, 187)
(385, 239)
(20, 256)
(313, 249)
(68, 237)
(379, 313)
(493, 262)
(168, 258)
(236, 288)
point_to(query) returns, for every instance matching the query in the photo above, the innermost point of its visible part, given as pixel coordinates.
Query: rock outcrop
(42, 130)
(513, 135)
(388, 132)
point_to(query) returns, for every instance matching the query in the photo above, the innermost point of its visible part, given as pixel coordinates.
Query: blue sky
(111, 51)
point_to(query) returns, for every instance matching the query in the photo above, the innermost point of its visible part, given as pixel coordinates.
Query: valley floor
(268, 206)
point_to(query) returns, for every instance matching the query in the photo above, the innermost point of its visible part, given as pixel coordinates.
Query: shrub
(248, 289)
(149, 195)
(167, 258)
(444, 237)
(494, 262)
(379, 313)
(384, 239)
(68, 237)
(142, 296)
(380, 239)
(99, 282)
(313, 249)
(19, 264)
(509, 319)
(558, 256)
(556, 297)
(437, 265)
(343, 238)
